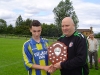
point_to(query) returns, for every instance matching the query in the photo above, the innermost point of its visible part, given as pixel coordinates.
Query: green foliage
(10, 29)
(52, 30)
(22, 28)
(49, 30)
(3, 26)
(19, 21)
(65, 9)
(44, 29)
(97, 35)
(27, 22)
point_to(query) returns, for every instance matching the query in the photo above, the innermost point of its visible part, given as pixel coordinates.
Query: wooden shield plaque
(57, 52)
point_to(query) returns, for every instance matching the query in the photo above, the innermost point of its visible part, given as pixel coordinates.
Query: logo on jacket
(70, 44)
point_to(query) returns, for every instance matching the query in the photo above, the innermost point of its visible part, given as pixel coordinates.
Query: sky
(87, 11)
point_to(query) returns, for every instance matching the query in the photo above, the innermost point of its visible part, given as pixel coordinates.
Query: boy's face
(36, 31)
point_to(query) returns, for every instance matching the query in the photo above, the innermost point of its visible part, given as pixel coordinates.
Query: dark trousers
(93, 55)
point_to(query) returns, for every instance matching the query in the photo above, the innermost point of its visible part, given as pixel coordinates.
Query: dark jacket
(76, 64)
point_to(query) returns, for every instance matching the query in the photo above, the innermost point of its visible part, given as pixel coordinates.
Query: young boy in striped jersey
(35, 52)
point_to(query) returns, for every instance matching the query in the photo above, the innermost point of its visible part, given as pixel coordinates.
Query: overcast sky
(88, 11)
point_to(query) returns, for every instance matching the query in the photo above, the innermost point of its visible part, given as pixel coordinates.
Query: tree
(49, 30)
(19, 21)
(10, 29)
(65, 9)
(3, 26)
(52, 30)
(19, 25)
(26, 25)
(27, 22)
(45, 30)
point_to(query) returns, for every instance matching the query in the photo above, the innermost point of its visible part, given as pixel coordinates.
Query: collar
(34, 42)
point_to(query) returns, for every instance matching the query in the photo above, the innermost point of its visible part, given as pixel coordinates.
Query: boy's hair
(35, 23)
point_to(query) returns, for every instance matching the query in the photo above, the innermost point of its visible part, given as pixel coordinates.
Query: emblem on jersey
(70, 44)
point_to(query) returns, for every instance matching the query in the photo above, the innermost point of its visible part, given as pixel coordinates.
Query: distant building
(86, 32)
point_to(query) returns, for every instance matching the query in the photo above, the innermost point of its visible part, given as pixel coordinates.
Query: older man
(93, 49)
(76, 64)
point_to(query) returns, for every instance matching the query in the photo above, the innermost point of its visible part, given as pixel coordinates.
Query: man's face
(91, 36)
(36, 31)
(67, 28)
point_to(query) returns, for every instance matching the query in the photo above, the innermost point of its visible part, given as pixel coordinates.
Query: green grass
(11, 62)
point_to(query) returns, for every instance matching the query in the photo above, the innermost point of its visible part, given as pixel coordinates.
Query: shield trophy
(57, 52)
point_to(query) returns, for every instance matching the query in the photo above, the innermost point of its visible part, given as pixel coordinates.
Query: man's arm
(97, 44)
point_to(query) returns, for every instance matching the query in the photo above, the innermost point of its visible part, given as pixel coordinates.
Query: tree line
(22, 28)
(63, 9)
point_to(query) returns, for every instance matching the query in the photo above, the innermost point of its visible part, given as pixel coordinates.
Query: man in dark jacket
(76, 64)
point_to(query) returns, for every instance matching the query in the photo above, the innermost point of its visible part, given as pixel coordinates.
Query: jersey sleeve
(27, 56)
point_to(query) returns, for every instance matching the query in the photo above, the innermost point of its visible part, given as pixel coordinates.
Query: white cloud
(5, 14)
(87, 12)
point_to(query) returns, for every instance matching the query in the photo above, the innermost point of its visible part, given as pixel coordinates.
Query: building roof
(83, 30)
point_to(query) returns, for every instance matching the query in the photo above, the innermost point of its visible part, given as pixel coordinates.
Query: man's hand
(52, 69)
(49, 68)
(57, 65)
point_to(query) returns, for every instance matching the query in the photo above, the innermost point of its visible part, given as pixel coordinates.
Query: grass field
(11, 62)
